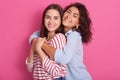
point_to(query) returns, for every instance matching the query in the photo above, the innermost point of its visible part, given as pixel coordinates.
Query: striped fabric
(47, 69)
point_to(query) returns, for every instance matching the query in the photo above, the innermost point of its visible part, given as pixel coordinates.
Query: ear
(78, 24)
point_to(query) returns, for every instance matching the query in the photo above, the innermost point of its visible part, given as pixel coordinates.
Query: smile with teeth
(50, 25)
(67, 20)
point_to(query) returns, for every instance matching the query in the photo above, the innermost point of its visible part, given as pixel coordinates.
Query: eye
(75, 16)
(47, 17)
(56, 17)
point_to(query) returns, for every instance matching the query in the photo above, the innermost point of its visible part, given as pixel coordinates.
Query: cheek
(46, 23)
(65, 14)
(58, 22)
(75, 21)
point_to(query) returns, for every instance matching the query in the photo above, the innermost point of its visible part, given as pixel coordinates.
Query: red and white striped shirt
(47, 69)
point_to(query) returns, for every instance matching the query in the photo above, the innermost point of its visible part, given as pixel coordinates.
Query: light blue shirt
(72, 56)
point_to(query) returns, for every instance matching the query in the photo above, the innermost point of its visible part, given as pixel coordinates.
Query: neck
(67, 29)
(50, 35)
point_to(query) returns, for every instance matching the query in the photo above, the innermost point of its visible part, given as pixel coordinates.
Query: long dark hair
(85, 22)
(44, 31)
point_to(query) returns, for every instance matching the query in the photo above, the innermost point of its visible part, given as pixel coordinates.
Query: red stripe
(51, 66)
(54, 43)
(58, 41)
(61, 40)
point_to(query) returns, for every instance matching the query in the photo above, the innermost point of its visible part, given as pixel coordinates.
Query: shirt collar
(68, 33)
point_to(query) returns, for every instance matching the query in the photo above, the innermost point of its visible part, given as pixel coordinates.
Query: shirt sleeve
(59, 41)
(36, 34)
(29, 66)
(71, 48)
(53, 68)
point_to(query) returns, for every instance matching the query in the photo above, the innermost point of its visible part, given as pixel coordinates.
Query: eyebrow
(74, 13)
(50, 15)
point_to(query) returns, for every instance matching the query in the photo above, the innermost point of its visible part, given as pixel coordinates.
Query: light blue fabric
(34, 35)
(72, 55)
(59, 79)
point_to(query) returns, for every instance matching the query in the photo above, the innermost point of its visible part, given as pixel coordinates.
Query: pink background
(19, 18)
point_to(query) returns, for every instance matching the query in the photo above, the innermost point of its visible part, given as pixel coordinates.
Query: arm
(59, 42)
(29, 66)
(53, 68)
(32, 50)
(36, 34)
(49, 49)
(29, 60)
(72, 48)
(49, 65)
(64, 56)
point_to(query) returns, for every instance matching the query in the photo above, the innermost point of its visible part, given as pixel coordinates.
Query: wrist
(41, 54)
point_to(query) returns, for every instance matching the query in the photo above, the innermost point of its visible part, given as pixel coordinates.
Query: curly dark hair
(85, 22)
(44, 31)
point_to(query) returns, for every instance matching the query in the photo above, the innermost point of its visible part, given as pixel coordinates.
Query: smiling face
(52, 20)
(71, 18)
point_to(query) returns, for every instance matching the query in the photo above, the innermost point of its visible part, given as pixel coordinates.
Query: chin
(65, 24)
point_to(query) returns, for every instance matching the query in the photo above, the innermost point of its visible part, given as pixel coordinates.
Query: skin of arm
(29, 60)
(71, 48)
(68, 52)
(31, 55)
(40, 42)
(38, 45)
(49, 50)
(55, 68)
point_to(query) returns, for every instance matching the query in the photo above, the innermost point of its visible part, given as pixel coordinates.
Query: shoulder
(74, 38)
(76, 34)
(59, 35)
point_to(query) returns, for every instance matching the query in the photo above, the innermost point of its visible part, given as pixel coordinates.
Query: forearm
(41, 54)
(53, 68)
(29, 61)
(49, 50)
(29, 66)
(30, 57)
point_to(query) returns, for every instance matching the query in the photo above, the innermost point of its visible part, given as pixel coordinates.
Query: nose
(51, 20)
(69, 15)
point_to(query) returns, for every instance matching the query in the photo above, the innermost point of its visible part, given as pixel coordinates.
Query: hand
(39, 43)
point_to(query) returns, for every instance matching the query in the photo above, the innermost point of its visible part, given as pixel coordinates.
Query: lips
(68, 20)
(50, 26)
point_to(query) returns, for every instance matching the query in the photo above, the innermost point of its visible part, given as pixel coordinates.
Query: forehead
(74, 10)
(52, 12)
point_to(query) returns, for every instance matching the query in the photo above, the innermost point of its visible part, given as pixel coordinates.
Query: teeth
(67, 20)
(50, 25)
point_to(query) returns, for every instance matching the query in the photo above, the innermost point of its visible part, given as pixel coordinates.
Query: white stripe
(61, 40)
(58, 41)
(54, 45)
